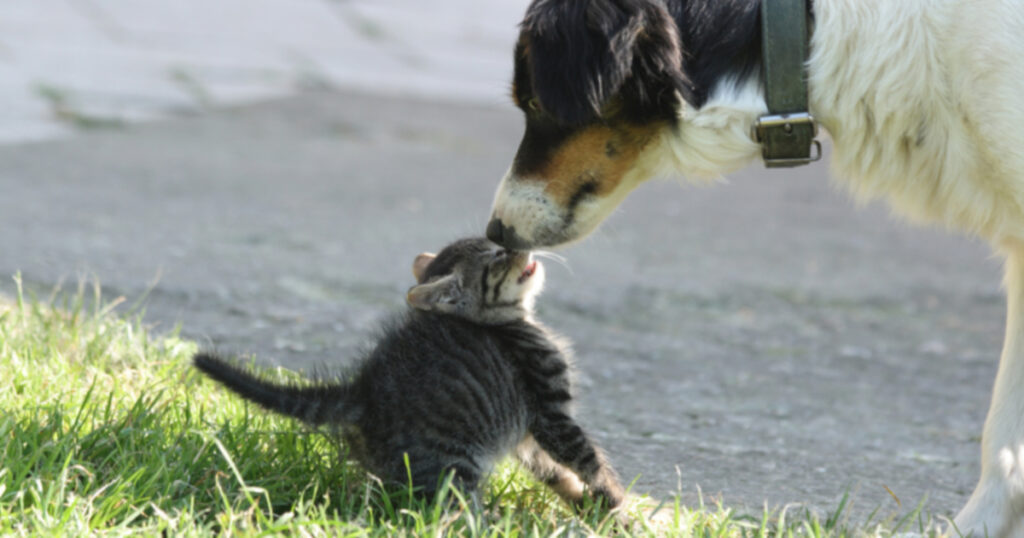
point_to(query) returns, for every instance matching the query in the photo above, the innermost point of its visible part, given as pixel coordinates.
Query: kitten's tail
(314, 404)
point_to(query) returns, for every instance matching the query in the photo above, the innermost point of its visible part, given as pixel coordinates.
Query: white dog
(922, 100)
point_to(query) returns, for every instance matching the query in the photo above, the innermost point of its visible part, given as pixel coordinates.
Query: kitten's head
(477, 280)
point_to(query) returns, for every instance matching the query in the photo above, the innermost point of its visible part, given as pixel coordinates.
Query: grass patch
(105, 429)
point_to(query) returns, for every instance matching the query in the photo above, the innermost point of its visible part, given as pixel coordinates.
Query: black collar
(787, 132)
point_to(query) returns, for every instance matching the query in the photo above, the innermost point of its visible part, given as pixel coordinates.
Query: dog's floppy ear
(441, 295)
(581, 52)
(658, 81)
(419, 265)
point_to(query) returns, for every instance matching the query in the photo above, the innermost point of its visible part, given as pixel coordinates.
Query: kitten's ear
(440, 295)
(419, 265)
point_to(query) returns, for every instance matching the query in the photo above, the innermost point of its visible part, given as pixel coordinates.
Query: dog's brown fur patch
(599, 155)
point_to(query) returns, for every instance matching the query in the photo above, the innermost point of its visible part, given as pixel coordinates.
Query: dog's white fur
(922, 99)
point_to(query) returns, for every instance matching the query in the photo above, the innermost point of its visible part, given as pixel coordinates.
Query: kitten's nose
(505, 236)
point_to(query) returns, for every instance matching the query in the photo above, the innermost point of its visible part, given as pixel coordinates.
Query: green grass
(105, 429)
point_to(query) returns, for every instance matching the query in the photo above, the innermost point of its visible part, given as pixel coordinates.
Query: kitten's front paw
(609, 495)
(598, 497)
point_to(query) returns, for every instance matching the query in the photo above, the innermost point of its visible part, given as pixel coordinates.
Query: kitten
(462, 379)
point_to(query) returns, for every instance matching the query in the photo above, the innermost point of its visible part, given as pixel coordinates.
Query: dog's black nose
(505, 236)
(496, 231)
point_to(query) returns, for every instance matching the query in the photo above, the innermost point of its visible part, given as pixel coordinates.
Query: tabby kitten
(460, 380)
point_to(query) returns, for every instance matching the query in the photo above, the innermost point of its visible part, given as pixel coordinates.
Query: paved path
(763, 336)
(69, 65)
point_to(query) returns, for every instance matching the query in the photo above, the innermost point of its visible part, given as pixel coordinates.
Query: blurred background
(261, 173)
(69, 64)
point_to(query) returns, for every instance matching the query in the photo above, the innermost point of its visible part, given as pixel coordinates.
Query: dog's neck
(716, 138)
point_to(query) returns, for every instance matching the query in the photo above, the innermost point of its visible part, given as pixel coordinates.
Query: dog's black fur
(573, 56)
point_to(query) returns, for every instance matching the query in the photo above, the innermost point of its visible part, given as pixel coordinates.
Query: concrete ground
(762, 338)
(72, 64)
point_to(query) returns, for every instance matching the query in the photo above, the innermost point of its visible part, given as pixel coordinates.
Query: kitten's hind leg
(463, 478)
(556, 476)
(563, 439)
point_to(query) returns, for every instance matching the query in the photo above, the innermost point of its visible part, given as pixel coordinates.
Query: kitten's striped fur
(462, 379)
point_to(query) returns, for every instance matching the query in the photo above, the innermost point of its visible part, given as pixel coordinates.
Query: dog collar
(787, 133)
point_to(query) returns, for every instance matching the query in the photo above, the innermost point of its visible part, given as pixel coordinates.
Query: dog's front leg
(996, 508)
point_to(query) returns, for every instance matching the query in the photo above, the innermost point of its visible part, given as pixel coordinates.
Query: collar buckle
(790, 135)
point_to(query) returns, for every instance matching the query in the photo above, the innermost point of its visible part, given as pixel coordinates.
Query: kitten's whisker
(549, 255)
(557, 258)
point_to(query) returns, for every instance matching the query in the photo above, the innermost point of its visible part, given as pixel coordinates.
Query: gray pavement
(68, 65)
(765, 337)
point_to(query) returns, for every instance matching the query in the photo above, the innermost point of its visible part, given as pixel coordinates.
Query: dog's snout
(505, 236)
(496, 231)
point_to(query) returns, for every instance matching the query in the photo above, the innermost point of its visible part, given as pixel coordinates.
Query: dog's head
(598, 81)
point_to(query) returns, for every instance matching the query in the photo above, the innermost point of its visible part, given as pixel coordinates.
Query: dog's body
(920, 98)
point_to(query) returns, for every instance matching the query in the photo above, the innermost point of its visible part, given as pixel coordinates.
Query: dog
(921, 99)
